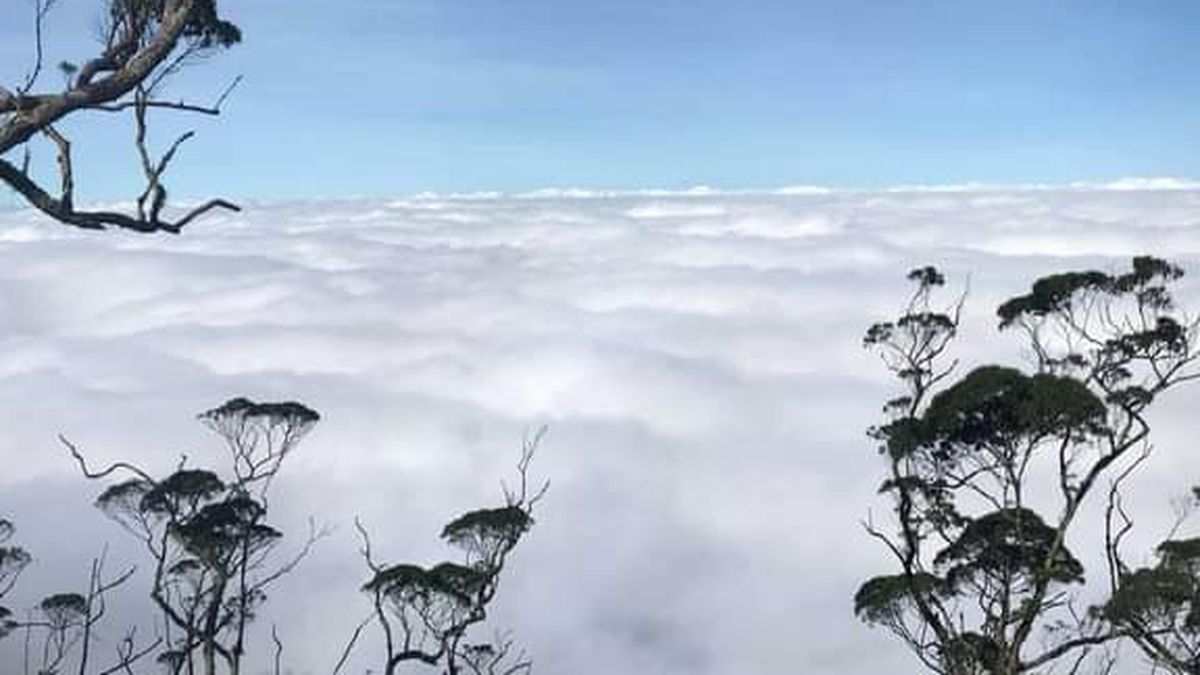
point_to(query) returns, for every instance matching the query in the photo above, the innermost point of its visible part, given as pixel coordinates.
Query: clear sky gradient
(380, 97)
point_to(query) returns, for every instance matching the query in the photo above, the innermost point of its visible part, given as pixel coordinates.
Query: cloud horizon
(695, 354)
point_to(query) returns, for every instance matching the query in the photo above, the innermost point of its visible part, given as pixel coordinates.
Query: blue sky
(378, 97)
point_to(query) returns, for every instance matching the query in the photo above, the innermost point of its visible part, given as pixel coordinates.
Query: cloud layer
(695, 355)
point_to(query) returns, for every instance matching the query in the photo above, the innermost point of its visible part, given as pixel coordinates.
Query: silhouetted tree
(13, 559)
(212, 561)
(1159, 606)
(144, 42)
(63, 625)
(987, 473)
(207, 536)
(425, 613)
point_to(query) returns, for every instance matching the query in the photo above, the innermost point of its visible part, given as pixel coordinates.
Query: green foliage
(63, 610)
(396, 577)
(506, 522)
(205, 29)
(425, 614)
(927, 277)
(259, 435)
(972, 652)
(1004, 544)
(207, 536)
(243, 409)
(1160, 605)
(446, 581)
(6, 624)
(1150, 595)
(210, 566)
(181, 492)
(13, 560)
(486, 533)
(984, 583)
(224, 534)
(1051, 294)
(885, 599)
(124, 496)
(999, 407)
(1061, 293)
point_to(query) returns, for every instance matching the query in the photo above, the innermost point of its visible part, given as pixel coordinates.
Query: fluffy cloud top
(696, 357)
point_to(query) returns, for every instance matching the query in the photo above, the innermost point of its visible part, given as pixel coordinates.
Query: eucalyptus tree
(207, 536)
(1158, 605)
(13, 560)
(143, 43)
(987, 471)
(425, 613)
(63, 623)
(213, 557)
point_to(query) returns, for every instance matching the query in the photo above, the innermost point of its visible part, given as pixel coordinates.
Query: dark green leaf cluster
(879, 333)
(1057, 293)
(212, 522)
(505, 524)
(181, 492)
(13, 559)
(205, 29)
(63, 610)
(138, 502)
(1008, 543)
(6, 624)
(222, 534)
(207, 535)
(930, 323)
(1001, 407)
(981, 574)
(971, 652)
(447, 581)
(483, 533)
(1051, 294)
(436, 606)
(274, 413)
(1167, 337)
(1151, 594)
(1167, 594)
(885, 598)
(927, 277)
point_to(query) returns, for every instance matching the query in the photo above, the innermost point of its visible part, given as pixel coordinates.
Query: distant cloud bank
(1127, 184)
(696, 355)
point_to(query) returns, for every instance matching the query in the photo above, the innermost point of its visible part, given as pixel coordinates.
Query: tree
(13, 560)
(213, 558)
(64, 621)
(425, 614)
(1159, 606)
(987, 473)
(144, 43)
(207, 536)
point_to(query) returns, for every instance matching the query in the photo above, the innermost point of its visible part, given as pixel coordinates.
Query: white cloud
(695, 353)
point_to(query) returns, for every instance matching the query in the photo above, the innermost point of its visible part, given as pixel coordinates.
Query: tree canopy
(985, 580)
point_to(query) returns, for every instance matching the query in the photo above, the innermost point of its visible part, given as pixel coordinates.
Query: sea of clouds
(696, 357)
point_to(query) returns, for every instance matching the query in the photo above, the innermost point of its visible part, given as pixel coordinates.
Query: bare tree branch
(144, 44)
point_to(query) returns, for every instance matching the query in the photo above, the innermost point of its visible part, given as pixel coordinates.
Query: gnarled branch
(142, 48)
